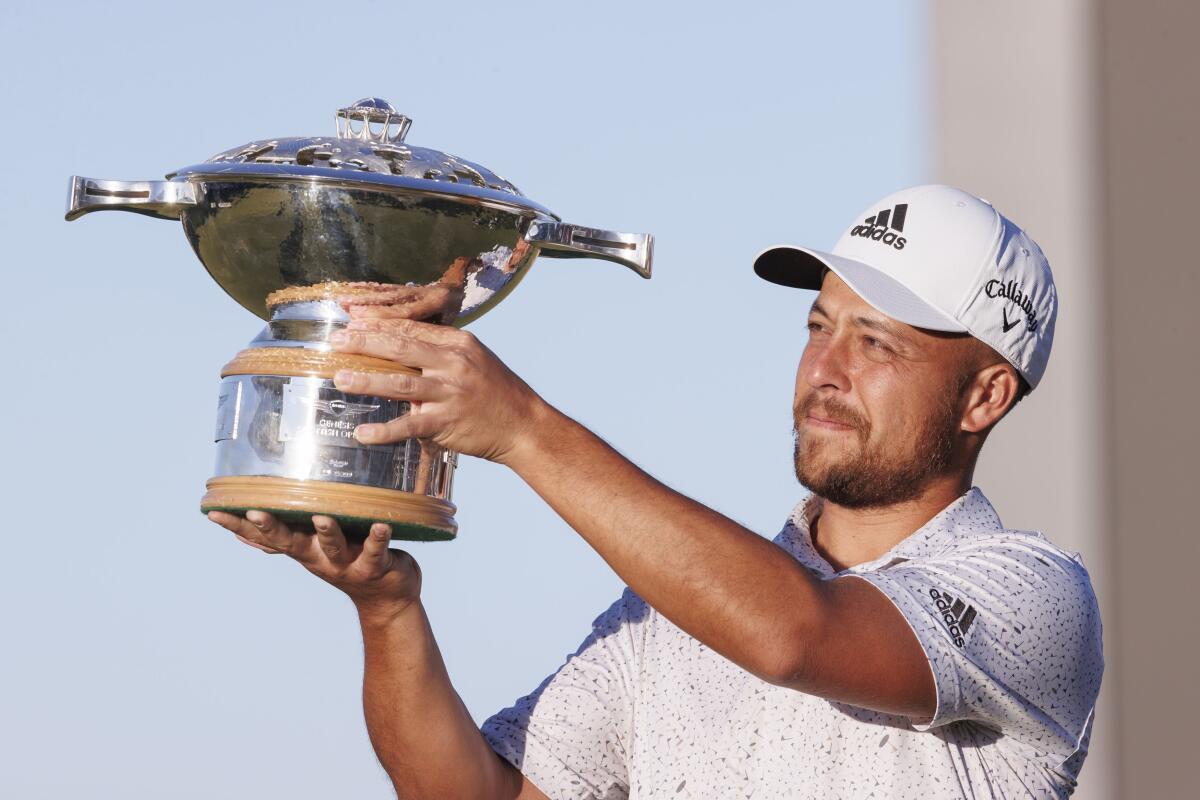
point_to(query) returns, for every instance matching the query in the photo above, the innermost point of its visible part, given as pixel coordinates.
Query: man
(893, 641)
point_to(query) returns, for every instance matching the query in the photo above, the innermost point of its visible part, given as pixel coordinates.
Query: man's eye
(876, 344)
(813, 327)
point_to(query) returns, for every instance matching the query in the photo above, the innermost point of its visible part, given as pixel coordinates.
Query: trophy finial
(372, 119)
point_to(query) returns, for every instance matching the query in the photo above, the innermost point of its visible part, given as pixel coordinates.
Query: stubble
(876, 473)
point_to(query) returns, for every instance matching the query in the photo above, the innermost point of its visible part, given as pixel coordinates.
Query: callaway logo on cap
(936, 257)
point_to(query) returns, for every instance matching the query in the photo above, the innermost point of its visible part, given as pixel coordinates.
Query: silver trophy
(299, 229)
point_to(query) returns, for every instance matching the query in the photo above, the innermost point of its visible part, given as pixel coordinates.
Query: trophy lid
(368, 147)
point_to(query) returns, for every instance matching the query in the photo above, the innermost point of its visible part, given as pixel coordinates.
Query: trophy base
(413, 517)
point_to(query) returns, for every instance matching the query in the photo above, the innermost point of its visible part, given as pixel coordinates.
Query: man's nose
(824, 366)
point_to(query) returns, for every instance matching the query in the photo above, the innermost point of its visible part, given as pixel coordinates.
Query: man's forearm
(421, 731)
(728, 587)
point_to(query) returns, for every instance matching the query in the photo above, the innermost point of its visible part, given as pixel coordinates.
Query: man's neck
(845, 537)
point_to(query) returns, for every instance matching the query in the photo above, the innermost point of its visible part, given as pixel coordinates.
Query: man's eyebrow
(873, 323)
(882, 326)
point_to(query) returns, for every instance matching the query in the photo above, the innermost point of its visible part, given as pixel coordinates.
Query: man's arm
(421, 731)
(733, 590)
(729, 588)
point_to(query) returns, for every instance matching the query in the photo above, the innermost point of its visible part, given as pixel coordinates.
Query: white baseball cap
(939, 258)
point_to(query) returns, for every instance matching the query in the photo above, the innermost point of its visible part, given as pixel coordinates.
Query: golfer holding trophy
(894, 639)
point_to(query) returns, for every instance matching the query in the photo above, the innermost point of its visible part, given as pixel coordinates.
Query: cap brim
(803, 268)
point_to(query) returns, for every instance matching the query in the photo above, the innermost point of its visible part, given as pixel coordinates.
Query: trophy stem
(286, 445)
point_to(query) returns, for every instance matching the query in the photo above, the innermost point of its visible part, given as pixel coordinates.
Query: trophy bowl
(298, 230)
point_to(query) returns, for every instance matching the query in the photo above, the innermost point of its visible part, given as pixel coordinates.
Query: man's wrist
(383, 614)
(545, 424)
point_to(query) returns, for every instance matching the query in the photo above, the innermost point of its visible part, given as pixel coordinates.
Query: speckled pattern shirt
(1009, 624)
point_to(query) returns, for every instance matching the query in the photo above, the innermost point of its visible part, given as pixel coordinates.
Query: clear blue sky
(148, 654)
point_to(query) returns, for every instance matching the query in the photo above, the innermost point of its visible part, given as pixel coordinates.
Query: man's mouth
(825, 423)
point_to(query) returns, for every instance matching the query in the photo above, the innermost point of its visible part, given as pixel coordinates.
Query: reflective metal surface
(256, 237)
(372, 119)
(303, 324)
(369, 147)
(562, 240)
(362, 206)
(302, 428)
(163, 199)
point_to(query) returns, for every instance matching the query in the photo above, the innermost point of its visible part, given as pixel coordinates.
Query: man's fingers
(403, 349)
(230, 522)
(409, 426)
(271, 531)
(361, 311)
(375, 553)
(271, 551)
(259, 529)
(397, 385)
(262, 528)
(422, 302)
(239, 526)
(427, 332)
(332, 541)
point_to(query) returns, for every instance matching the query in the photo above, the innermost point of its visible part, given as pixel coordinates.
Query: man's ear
(989, 396)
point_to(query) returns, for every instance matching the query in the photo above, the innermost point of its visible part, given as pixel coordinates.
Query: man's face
(876, 408)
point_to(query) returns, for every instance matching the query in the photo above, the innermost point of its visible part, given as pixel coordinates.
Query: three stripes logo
(957, 615)
(884, 226)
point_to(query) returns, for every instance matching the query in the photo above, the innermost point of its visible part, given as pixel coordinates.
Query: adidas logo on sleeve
(957, 615)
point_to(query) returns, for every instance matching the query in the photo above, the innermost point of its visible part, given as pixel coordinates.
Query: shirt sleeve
(1013, 636)
(570, 736)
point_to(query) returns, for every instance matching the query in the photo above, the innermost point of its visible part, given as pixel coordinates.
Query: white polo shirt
(1009, 624)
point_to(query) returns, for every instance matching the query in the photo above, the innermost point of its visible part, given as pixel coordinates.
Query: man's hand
(421, 731)
(383, 583)
(465, 398)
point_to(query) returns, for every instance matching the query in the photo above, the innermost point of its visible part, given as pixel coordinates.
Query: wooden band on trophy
(412, 516)
(306, 363)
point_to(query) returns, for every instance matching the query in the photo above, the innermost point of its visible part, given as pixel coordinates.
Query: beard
(877, 474)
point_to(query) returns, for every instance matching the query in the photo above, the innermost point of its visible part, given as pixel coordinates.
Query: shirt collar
(967, 516)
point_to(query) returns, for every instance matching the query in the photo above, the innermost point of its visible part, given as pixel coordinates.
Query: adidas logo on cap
(941, 259)
(876, 227)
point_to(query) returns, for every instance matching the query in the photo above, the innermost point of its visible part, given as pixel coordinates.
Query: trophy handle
(162, 199)
(561, 240)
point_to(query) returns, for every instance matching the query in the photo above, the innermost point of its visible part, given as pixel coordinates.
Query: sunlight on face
(876, 409)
